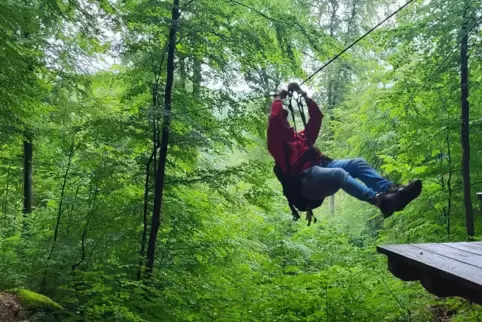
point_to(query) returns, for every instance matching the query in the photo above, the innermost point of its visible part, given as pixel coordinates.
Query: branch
(396, 298)
(157, 76)
(187, 4)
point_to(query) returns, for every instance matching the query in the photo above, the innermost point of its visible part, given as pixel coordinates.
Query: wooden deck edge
(438, 282)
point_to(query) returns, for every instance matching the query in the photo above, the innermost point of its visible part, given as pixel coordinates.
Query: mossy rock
(37, 307)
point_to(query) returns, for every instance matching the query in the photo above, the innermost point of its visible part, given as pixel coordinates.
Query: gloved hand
(282, 94)
(294, 87)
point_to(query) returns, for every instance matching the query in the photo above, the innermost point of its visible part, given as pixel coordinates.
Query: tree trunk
(142, 252)
(62, 195)
(447, 210)
(60, 211)
(27, 174)
(449, 185)
(469, 216)
(152, 159)
(27, 158)
(197, 78)
(159, 187)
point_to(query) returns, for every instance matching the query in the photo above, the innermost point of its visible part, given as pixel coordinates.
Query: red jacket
(279, 132)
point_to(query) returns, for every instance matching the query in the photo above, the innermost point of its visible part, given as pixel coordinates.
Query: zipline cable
(357, 41)
(436, 70)
(325, 65)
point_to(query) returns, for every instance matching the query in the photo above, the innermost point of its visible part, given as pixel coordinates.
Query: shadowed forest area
(135, 181)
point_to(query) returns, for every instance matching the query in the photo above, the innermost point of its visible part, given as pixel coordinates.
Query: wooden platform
(449, 269)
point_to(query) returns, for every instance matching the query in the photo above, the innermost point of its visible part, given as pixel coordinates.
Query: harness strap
(301, 110)
(294, 212)
(310, 154)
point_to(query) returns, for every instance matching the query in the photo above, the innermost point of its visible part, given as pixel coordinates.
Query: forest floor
(10, 308)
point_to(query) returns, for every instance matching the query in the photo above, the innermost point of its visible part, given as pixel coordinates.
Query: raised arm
(278, 126)
(314, 123)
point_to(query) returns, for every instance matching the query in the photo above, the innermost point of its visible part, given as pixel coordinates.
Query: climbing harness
(291, 181)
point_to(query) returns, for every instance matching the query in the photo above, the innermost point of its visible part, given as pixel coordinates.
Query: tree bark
(465, 135)
(159, 189)
(152, 159)
(142, 252)
(27, 157)
(27, 174)
(449, 185)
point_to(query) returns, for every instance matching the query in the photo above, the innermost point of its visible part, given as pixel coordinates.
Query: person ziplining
(308, 176)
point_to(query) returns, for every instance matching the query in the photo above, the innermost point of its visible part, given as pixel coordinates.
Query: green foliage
(227, 249)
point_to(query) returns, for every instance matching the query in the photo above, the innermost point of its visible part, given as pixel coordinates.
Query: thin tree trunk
(62, 194)
(159, 189)
(465, 135)
(351, 20)
(27, 159)
(71, 211)
(448, 210)
(334, 10)
(331, 95)
(27, 174)
(82, 248)
(155, 124)
(449, 184)
(59, 213)
(142, 252)
(92, 210)
(155, 142)
(331, 105)
(166, 248)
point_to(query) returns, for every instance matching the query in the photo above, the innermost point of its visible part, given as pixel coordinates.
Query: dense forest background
(87, 110)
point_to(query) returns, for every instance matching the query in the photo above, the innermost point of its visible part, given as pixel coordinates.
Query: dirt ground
(10, 308)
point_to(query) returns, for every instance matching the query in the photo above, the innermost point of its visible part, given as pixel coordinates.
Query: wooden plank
(465, 258)
(442, 287)
(467, 275)
(468, 247)
(477, 244)
(403, 271)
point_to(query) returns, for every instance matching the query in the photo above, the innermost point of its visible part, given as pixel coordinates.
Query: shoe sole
(404, 196)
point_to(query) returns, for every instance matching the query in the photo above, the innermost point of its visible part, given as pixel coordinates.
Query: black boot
(394, 188)
(408, 194)
(389, 203)
(386, 202)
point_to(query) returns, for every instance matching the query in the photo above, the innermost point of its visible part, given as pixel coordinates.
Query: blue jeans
(326, 179)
